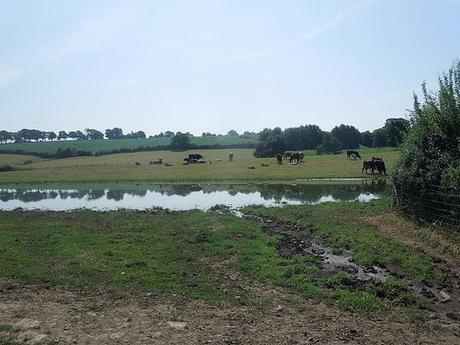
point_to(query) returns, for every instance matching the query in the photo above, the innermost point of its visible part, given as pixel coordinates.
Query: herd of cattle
(375, 164)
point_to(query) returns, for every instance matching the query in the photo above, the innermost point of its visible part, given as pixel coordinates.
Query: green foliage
(348, 136)
(271, 143)
(396, 130)
(6, 167)
(379, 138)
(430, 154)
(329, 144)
(366, 139)
(181, 141)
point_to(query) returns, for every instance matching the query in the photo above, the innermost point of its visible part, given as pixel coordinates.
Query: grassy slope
(122, 167)
(109, 145)
(131, 252)
(17, 160)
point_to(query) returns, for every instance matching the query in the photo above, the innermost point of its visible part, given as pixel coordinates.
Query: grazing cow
(230, 156)
(137, 163)
(279, 158)
(380, 166)
(368, 164)
(350, 153)
(376, 163)
(287, 154)
(296, 157)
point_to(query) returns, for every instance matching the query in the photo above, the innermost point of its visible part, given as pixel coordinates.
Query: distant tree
(248, 134)
(140, 135)
(366, 139)
(114, 133)
(396, 130)
(5, 136)
(180, 141)
(73, 135)
(271, 144)
(329, 144)
(379, 138)
(62, 135)
(52, 136)
(169, 134)
(348, 136)
(232, 132)
(80, 135)
(93, 134)
(135, 135)
(208, 134)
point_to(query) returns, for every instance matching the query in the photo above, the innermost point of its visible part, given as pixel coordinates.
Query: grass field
(122, 167)
(131, 252)
(95, 146)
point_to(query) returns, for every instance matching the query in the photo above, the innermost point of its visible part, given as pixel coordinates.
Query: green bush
(430, 155)
(6, 167)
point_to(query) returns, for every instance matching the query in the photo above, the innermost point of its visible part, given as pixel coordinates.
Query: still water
(180, 197)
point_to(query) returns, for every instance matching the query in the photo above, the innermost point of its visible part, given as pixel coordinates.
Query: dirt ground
(44, 315)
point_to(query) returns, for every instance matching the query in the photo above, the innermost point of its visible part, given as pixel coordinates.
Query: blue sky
(215, 65)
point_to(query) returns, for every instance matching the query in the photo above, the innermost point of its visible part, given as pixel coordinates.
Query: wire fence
(433, 204)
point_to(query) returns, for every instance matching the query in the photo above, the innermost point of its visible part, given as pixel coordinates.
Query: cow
(350, 153)
(158, 161)
(279, 158)
(194, 158)
(368, 164)
(376, 163)
(230, 156)
(380, 166)
(296, 157)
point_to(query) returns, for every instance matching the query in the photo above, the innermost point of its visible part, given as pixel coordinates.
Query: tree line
(31, 135)
(35, 135)
(273, 141)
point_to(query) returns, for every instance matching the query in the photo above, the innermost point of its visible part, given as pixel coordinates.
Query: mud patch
(441, 301)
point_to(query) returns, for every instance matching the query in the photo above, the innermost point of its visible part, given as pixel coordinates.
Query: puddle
(180, 197)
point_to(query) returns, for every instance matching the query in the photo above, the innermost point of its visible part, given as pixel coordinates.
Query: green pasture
(95, 146)
(128, 252)
(244, 168)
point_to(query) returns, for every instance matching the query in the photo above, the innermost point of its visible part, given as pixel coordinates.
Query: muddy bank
(439, 301)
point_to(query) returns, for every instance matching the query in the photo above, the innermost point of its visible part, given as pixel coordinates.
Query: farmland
(123, 167)
(102, 146)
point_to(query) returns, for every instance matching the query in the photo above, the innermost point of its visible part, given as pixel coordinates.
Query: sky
(215, 65)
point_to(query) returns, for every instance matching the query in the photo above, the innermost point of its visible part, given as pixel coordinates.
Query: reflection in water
(183, 197)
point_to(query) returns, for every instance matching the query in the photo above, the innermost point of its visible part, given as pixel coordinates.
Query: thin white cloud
(9, 74)
(307, 36)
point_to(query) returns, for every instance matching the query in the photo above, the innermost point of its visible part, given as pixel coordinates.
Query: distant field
(105, 145)
(123, 167)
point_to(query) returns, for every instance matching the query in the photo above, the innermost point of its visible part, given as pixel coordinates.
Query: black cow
(351, 153)
(368, 164)
(194, 158)
(279, 158)
(376, 163)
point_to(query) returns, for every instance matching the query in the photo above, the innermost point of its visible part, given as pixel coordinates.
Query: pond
(180, 197)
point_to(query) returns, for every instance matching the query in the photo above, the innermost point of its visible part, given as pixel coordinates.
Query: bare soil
(44, 315)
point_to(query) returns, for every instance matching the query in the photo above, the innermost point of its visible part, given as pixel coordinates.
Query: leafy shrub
(6, 167)
(430, 154)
